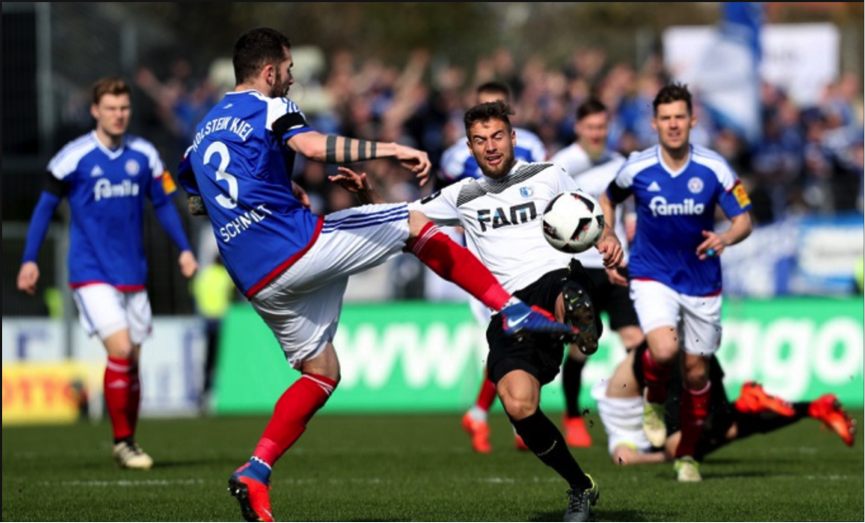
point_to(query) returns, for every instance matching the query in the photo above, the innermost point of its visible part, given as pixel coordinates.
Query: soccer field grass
(414, 468)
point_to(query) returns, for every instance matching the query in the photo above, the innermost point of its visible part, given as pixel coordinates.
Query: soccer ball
(573, 222)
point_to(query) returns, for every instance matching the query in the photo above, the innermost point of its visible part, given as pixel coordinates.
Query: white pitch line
(124, 483)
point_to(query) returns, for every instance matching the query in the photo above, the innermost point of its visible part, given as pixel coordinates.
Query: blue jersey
(106, 191)
(673, 210)
(458, 162)
(241, 167)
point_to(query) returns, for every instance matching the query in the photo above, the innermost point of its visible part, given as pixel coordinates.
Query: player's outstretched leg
(456, 264)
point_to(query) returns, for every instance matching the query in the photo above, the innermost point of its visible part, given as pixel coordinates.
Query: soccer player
(675, 273)
(459, 163)
(106, 176)
(292, 265)
(593, 166)
(501, 215)
(620, 406)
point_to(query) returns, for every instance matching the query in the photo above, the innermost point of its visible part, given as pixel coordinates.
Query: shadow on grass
(597, 515)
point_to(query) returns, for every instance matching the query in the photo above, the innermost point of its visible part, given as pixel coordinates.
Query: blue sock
(257, 470)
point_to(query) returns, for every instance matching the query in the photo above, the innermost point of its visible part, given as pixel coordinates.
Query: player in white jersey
(293, 265)
(459, 163)
(620, 406)
(675, 273)
(106, 175)
(593, 166)
(501, 215)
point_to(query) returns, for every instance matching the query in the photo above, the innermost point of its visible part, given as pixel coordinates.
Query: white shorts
(622, 419)
(104, 310)
(302, 305)
(697, 318)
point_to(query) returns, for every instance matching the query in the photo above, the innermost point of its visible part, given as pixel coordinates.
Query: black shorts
(541, 357)
(615, 300)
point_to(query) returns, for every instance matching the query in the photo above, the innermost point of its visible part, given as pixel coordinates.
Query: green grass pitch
(414, 468)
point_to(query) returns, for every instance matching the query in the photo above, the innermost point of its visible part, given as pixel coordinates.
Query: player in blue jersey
(458, 163)
(293, 265)
(106, 175)
(675, 273)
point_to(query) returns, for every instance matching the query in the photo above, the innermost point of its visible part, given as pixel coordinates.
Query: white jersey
(502, 220)
(593, 177)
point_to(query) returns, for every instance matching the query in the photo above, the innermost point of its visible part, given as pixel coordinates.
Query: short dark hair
(488, 111)
(670, 93)
(590, 107)
(495, 87)
(109, 85)
(255, 49)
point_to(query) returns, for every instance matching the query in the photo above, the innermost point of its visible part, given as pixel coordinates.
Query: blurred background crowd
(410, 81)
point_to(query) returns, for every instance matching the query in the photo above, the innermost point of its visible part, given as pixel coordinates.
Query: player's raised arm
(341, 149)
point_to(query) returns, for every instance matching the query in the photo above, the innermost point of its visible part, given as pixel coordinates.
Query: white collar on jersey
(108, 152)
(682, 169)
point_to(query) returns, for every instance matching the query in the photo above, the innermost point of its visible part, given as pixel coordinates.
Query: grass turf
(414, 468)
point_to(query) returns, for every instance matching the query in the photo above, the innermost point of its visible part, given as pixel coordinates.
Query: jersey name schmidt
(238, 126)
(237, 226)
(659, 207)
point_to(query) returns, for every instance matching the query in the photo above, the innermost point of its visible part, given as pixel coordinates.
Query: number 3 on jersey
(221, 174)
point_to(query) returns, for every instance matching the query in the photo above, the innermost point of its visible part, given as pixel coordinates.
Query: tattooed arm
(341, 150)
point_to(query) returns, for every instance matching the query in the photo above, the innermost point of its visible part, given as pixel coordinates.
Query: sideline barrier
(429, 357)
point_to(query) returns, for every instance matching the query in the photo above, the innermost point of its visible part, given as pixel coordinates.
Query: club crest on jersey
(132, 168)
(695, 185)
(527, 192)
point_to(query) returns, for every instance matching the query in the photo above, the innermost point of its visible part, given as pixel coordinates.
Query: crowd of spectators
(809, 158)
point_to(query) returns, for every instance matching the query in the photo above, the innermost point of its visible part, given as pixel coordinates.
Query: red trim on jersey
(710, 295)
(121, 288)
(287, 263)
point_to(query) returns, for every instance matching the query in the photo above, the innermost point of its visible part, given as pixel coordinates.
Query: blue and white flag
(728, 78)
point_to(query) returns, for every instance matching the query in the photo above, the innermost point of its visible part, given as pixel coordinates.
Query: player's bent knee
(518, 408)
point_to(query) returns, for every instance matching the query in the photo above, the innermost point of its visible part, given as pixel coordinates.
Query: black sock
(128, 439)
(768, 421)
(545, 440)
(572, 381)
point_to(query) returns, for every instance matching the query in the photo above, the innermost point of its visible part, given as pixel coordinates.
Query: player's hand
(351, 181)
(300, 194)
(610, 247)
(616, 278)
(188, 265)
(27, 277)
(414, 160)
(196, 206)
(713, 245)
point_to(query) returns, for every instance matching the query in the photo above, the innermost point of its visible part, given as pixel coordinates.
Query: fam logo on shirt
(132, 168)
(527, 192)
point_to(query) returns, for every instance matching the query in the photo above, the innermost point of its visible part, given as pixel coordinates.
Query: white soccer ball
(573, 222)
